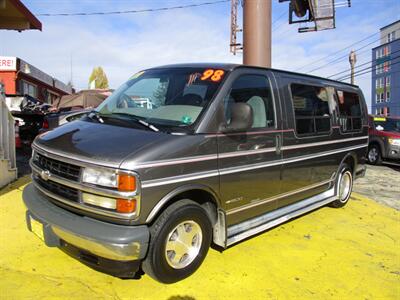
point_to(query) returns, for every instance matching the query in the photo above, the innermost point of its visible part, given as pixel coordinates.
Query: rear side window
(349, 111)
(311, 109)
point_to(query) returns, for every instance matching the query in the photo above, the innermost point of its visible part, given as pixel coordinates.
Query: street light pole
(257, 33)
(352, 61)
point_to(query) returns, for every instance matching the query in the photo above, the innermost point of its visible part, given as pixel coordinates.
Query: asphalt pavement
(382, 184)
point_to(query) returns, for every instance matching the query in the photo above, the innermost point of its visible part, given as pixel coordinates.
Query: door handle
(278, 144)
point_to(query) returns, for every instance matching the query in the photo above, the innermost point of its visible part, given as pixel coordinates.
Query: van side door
(307, 166)
(250, 162)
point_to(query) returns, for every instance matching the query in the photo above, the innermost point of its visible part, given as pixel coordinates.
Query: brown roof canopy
(15, 16)
(84, 99)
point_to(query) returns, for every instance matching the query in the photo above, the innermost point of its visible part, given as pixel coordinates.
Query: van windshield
(172, 97)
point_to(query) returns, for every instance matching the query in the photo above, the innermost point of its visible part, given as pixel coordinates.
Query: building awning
(15, 16)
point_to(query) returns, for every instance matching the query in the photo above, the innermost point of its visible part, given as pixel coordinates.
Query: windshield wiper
(137, 120)
(95, 115)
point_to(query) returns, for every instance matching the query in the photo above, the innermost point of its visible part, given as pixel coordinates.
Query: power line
(367, 70)
(131, 11)
(358, 66)
(370, 68)
(333, 53)
(341, 57)
(278, 18)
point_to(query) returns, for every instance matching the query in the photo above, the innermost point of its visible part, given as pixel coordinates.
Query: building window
(379, 83)
(383, 111)
(386, 66)
(51, 97)
(379, 68)
(387, 79)
(386, 51)
(379, 97)
(387, 96)
(391, 36)
(29, 89)
(377, 53)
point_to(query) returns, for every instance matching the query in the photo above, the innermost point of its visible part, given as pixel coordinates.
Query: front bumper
(105, 241)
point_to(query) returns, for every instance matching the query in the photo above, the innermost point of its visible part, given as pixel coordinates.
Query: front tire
(374, 155)
(344, 187)
(179, 242)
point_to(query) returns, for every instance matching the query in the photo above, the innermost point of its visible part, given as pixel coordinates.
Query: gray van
(223, 152)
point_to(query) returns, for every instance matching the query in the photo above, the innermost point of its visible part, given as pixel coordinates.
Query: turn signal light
(126, 206)
(126, 183)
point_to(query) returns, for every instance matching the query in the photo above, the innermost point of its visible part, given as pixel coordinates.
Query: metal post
(257, 33)
(352, 60)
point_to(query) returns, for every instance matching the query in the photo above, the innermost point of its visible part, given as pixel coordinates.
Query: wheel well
(350, 161)
(373, 144)
(202, 197)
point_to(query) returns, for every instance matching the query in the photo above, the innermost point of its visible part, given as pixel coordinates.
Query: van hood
(102, 144)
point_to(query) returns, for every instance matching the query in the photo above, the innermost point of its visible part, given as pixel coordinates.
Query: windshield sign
(165, 97)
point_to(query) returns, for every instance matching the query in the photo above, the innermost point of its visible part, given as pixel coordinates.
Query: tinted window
(349, 111)
(311, 109)
(255, 91)
(387, 124)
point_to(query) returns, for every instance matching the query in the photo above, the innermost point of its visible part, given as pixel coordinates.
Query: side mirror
(241, 118)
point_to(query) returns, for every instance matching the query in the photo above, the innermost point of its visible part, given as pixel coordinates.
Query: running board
(243, 230)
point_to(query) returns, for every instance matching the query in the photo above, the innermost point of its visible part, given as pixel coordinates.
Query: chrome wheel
(183, 244)
(345, 186)
(373, 154)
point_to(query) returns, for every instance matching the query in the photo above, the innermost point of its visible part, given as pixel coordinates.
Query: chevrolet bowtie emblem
(45, 175)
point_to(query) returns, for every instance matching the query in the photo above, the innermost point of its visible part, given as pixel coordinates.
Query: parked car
(54, 120)
(384, 139)
(226, 152)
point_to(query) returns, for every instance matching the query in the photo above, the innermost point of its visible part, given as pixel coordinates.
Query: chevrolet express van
(222, 153)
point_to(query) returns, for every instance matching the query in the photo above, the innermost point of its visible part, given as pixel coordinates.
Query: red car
(384, 139)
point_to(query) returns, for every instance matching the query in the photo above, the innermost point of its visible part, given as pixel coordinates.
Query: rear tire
(344, 186)
(179, 242)
(374, 155)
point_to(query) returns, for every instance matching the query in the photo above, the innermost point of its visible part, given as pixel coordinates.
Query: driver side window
(255, 91)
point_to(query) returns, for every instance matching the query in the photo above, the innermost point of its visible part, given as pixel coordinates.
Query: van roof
(232, 66)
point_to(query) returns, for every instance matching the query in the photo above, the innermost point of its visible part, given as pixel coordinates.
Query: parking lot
(348, 253)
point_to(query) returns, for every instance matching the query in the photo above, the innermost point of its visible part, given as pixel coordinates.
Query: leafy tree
(98, 79)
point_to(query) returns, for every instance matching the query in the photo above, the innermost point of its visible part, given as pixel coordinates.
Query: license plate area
(36, 228)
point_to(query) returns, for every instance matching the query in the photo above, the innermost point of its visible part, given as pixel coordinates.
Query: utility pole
(257, 33)
(352, 61)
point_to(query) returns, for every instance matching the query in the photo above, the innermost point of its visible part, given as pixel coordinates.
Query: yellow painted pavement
(347, 253)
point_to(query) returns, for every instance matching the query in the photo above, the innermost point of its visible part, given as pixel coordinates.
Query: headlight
(124, 181)
(394, 142)
(103, 177)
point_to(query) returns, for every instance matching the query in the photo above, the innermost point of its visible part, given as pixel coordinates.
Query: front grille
(58, 168)
(59, 189)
